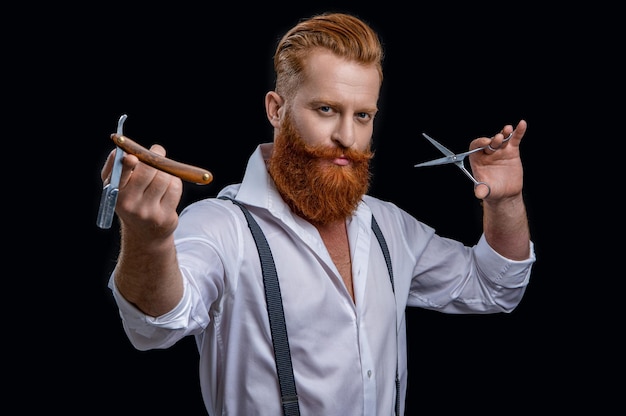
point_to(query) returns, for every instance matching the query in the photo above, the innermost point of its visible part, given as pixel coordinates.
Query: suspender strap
(289, 395)
(383, 246)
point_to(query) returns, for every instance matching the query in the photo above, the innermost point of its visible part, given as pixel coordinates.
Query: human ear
(273, 106)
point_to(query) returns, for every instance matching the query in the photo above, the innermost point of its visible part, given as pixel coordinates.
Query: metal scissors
(457, 158)
(110, 191)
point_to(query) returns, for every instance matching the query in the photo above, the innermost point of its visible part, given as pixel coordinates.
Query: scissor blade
(450, 158)
(438, 145)
(108, 199)
(440, 161)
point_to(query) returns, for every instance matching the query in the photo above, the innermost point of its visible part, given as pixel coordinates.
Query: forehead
(330, 77)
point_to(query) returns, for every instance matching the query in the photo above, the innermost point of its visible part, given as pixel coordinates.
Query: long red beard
(319, 192)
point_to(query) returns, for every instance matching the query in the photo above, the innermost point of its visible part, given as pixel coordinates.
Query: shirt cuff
(144, 324)
(511, 273)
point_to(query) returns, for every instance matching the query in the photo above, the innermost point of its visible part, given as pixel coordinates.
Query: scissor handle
(457, 159)
(483, 183)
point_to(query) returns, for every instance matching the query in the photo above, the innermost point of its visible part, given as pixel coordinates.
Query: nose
(344, 133)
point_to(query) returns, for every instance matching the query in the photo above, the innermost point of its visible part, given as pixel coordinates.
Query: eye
(325, 109)
(363, 116)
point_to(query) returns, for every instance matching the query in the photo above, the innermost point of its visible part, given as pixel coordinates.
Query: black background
(193, 79)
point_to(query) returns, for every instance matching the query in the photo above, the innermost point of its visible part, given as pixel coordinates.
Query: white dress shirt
(344, 353)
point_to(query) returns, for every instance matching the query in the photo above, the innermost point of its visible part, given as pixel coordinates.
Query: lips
(341, 161)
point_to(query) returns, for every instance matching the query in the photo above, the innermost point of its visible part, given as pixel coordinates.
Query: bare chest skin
(335, 237)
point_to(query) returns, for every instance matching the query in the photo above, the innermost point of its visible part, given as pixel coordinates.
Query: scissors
(457, 158)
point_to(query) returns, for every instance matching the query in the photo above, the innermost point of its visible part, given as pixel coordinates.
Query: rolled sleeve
(510, 273)
(147, 332)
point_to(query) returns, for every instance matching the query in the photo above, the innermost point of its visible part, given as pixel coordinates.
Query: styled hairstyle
(344, 35)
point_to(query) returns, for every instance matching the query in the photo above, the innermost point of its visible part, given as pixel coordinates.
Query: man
(200, 274)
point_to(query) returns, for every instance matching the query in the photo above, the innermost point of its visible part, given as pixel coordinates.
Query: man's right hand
(148, 198)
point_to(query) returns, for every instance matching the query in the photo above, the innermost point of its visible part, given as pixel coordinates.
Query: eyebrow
(322, 102)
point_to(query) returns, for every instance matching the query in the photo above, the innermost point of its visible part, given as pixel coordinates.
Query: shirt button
(369, 373)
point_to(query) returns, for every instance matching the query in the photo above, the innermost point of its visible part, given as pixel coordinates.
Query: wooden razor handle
(185, 172)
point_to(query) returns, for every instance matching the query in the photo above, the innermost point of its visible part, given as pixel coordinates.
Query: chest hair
(335, 237)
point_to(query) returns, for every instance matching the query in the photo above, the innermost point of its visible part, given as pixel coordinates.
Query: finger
(135, 168)
(158, 149)
(105, 172)
(502, 138)
(520, 130)
(498, 141)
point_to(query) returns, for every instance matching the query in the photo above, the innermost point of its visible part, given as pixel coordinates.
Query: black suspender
(289, 395)
(383, 246)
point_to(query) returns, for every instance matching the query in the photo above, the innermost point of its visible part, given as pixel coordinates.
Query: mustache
(325, 152)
